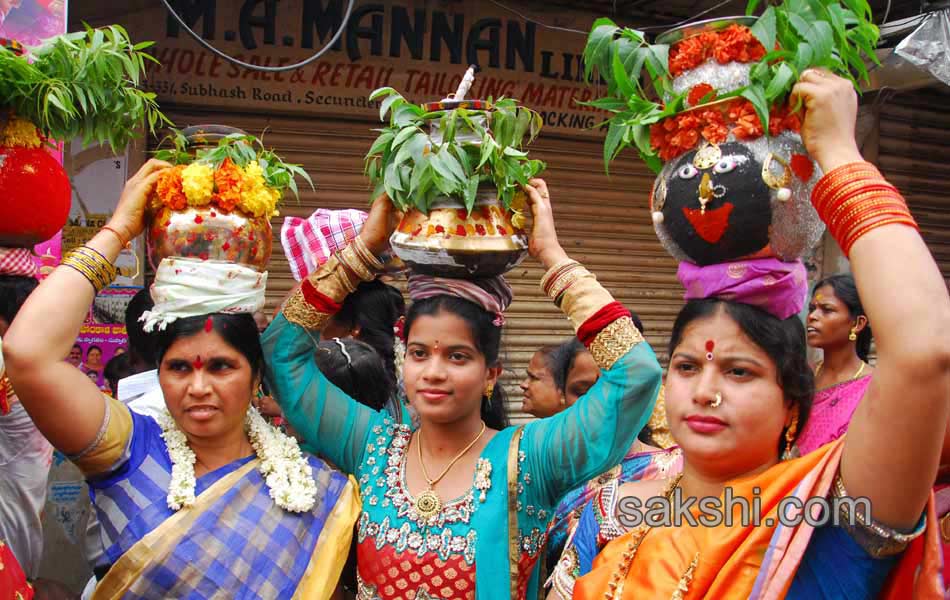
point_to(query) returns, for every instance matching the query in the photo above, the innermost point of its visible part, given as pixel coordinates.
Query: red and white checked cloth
(308, 243)
(17, 261)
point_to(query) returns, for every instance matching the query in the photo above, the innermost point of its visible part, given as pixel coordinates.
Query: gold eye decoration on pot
(777, 182)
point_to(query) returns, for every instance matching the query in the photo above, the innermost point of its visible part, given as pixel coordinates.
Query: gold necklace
(636, 538)
(428, 504)
(853, 377)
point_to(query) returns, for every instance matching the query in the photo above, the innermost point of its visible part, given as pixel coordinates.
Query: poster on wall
(97, 177)
(30, 21)
(103, 338)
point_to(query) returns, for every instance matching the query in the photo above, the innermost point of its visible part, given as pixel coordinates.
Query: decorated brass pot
(728, 188)
(209, 234)
(449, 242)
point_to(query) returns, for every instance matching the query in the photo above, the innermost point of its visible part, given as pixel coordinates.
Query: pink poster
(29, 21)
(103, 338)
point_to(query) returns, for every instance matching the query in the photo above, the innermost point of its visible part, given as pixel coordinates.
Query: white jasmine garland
(285, 469)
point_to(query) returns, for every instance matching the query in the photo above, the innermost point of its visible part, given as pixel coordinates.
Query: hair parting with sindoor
(237, 330)
(487, 338)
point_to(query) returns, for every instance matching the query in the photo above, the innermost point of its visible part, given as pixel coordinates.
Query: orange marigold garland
(734, 43)
(169, 190)
(679, 134)
(228, 181)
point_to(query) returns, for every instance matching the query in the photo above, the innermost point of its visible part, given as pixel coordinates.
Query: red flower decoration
(734, 43)
(699, 92)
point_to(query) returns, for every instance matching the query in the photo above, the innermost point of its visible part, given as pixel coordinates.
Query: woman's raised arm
(894, 441)
(64, 404)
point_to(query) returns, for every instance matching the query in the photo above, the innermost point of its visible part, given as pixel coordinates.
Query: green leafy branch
(242, 149)
(413, 169)
(82, 84)
(838, 36)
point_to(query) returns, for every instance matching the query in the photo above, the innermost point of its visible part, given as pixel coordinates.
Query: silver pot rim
(671, 36)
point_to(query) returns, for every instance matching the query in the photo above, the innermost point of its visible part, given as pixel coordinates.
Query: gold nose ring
(718, 401)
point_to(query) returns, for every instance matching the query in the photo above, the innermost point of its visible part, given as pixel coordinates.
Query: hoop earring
(790, 450)
(853, 336)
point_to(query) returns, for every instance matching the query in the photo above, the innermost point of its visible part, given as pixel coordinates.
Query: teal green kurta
(553, 456)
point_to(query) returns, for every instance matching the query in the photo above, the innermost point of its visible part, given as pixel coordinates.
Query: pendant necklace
(428, 504)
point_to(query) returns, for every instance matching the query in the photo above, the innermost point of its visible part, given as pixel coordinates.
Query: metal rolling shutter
(913, 155)
(602, 221)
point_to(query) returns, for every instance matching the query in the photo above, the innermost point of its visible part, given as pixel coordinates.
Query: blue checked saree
(234, 542)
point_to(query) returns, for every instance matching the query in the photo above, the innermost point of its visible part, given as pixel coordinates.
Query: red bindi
(709, 349)
(197, 364)
(209, 325)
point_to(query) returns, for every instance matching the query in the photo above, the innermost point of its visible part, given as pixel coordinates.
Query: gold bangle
(366, 256)
(563, 279)
(349, 257)
(299, 312)
(104, 270)
(555, 272)
(92, 265)
(613, 341)
(552, 273)
(566, 281)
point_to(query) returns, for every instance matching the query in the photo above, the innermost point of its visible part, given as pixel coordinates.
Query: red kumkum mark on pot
(225, 246)
(439, 229)
(198, 219)
(462, 213)
(460, 230)
(480, 229)
(802, 166)
(502, 230)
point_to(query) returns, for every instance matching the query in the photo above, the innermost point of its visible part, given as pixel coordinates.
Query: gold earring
(489, 390)
(790, 450)
(853, 336)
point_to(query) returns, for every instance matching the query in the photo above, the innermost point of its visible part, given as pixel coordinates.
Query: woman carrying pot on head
(838, 326)
(458, 508)
(739, 389)
(372, 313)
(210, 500)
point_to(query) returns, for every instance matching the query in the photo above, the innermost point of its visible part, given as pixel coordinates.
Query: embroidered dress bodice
(400, 554)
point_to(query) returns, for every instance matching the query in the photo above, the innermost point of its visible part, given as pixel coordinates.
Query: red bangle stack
(855, 199)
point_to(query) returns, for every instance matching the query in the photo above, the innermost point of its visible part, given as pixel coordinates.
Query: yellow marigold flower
(20, 133)
(258, 198)
(260, 201)
(254, 173)
(197, 181)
